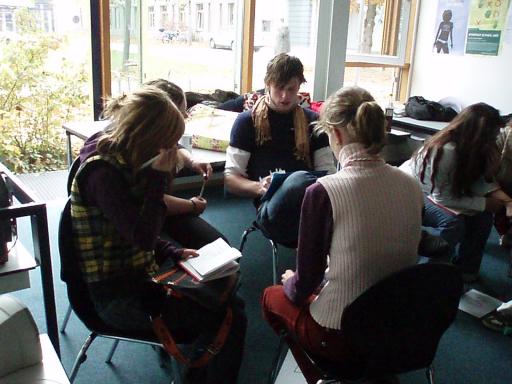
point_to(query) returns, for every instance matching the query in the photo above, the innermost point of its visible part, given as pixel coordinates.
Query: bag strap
(170, 346)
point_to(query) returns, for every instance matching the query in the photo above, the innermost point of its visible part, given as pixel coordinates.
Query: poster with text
(508, 27)
(487, 19)
(451, 26)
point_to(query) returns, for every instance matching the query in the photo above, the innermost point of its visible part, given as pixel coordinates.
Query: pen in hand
(205, 178)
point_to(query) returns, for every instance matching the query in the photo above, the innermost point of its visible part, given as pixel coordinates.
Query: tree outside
(40, 89)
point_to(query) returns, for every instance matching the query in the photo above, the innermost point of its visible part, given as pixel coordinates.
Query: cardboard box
(210, 127)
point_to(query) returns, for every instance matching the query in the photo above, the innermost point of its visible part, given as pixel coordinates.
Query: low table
(84, 130)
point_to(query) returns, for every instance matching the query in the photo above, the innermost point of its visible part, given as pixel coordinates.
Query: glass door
(193, 43)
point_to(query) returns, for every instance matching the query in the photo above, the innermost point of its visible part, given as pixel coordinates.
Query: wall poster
(451, 26)
(487, 20)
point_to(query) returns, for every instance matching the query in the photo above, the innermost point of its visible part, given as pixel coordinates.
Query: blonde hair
(355, 111)
(144, 122)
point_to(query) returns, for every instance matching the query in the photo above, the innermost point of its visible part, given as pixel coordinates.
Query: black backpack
(420, 108)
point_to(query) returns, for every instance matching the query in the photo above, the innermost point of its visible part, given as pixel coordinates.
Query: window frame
(326, 60)
(392, 26)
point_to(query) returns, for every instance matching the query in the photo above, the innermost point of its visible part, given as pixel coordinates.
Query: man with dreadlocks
(277, 134)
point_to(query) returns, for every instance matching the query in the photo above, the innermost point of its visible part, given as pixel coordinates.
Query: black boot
(432, 246)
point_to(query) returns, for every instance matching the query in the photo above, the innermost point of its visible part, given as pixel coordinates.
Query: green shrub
(40, 89)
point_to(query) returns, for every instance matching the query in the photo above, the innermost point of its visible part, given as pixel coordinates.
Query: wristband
(194, 206)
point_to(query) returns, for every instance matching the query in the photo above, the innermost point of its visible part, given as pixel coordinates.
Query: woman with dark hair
(184, 223)
(456, 169)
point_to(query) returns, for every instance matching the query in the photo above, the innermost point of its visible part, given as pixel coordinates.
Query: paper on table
(478, 304)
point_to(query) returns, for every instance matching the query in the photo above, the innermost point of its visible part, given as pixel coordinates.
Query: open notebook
(215, 260)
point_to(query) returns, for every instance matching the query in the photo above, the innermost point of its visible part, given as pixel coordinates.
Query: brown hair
(355, 110)
(282, 68)
(144, 122)
(474, 132)
(174, 91)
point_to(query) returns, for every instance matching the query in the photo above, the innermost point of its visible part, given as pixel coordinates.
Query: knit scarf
(263, 131)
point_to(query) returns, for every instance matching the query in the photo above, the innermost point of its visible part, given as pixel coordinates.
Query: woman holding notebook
(365, 219)
(118, 210)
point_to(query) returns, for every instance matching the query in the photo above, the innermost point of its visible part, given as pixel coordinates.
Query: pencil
(202, 187)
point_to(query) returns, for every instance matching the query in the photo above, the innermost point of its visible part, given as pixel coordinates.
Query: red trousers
(282, 314)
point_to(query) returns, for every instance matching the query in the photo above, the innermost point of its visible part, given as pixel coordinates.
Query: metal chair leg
(274, 261)
(278, 359)
(112, 350)
(82, 356)
(510, 265)
(176, 372)
(273, 244)
(244, 237)
(430, 375)
(66, 319)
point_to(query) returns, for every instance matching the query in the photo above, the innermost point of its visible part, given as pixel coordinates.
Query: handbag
(420, 108)
(212, 294)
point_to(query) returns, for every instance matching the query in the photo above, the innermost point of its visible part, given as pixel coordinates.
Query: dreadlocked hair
(474, 132)
(263, 132)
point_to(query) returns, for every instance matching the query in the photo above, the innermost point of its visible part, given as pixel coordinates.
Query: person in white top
(357, 226)
(504, 179)
(456, 169)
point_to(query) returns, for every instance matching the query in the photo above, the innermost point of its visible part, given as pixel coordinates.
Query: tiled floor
(47, 186)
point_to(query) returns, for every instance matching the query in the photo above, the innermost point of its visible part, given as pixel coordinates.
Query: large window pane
(380, 82)
(377, 31)
(284, 26)
(125, 48)
(193, 43)
(45, 79)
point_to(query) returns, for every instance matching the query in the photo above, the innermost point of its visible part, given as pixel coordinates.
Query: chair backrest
(395, 326)
(72, 172)
(70, 273)
(78, 293)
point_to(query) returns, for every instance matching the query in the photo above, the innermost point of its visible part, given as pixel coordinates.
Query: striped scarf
(263, 131)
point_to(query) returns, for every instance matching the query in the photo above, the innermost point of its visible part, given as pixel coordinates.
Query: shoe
(432, 246)
(469, 278)
(506, 240)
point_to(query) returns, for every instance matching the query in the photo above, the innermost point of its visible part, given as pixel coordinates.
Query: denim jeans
(279, 217)
(467, 235)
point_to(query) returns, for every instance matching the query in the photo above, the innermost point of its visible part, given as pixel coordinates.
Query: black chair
(273, 244)
(71, 175)
(394, 326)
(83, 307)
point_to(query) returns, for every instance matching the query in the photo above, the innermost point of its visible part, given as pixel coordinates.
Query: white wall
(469, 78)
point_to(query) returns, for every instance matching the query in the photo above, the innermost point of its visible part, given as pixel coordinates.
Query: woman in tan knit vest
(357, 226)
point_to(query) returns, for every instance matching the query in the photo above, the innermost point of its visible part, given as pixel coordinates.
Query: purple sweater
(314, 244)
(104, 187)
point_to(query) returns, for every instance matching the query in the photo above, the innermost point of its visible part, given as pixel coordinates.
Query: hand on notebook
(188, 253)
(264, 184)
